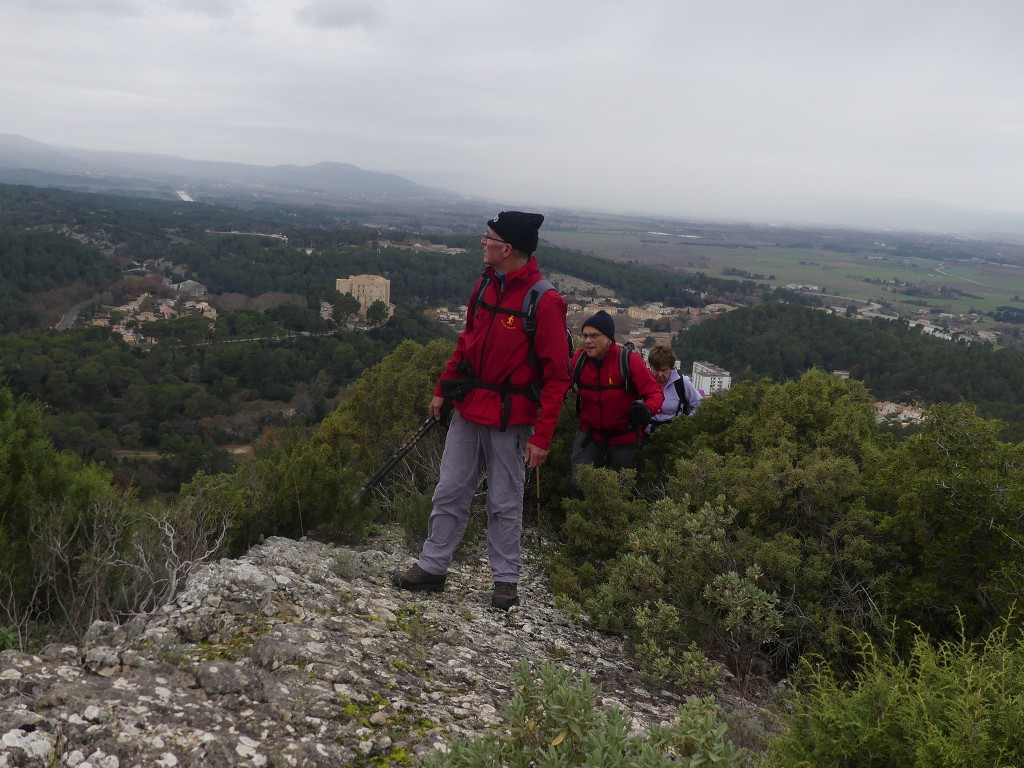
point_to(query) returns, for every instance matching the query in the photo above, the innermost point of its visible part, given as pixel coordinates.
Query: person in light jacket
(681, 397)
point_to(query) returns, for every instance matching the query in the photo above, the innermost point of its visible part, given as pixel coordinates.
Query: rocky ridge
(301, 654)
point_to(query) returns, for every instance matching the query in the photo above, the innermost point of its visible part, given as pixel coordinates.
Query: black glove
(639, 415)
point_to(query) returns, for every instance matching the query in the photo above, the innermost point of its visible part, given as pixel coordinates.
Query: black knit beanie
(518, 229)
(602, 322)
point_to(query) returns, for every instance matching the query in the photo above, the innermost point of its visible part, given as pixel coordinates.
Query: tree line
(195, 392)
(36, 261)
(894, 360)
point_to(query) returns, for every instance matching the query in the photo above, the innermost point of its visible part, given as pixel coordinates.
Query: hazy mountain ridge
(24, 161)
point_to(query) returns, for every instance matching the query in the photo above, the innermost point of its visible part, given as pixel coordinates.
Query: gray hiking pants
(589, 450)
(468, 448)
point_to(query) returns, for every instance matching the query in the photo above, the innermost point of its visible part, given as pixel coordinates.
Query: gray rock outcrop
(300, 654)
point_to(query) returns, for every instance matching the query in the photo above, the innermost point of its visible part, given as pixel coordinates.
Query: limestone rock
(274, 659)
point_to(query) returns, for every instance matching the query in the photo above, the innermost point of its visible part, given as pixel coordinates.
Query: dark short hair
(661, 356)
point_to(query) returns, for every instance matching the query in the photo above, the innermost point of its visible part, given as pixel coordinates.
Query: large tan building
(366, 288)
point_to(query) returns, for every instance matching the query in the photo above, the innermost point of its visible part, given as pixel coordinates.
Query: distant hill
(24, 161)
(342, 185)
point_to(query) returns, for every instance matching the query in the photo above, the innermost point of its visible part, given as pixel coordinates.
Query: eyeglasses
(495, 239)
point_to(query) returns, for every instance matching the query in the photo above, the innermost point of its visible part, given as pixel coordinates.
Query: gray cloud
(336, 14)
(686, 107)
(84, 7)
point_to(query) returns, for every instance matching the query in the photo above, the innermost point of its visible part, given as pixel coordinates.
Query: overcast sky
(734, 108)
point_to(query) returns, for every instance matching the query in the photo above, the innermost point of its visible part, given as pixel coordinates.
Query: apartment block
(709, 378)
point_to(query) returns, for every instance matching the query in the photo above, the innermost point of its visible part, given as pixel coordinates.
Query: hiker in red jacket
(617, 395)
(507, 378)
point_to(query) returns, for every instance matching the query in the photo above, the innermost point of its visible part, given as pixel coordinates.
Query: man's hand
(434, 409)
(535, 456)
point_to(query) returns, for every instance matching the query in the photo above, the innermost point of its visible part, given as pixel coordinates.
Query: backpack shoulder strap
(485, 280)
(578, 369)
(684, 403)
(530, 302)
(627, 377)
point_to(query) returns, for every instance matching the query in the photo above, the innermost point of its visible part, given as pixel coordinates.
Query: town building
(190, 288)
(898, 413)
(644, 313)
(709, 378)
(366, 289)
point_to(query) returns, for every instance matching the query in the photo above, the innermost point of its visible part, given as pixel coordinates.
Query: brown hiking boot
(505, 595)
(416, 579)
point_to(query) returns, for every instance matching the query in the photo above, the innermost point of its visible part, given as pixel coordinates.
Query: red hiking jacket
(604, 413)
(497, 349)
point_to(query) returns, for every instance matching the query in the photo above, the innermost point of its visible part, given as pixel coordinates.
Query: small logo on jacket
(509, 322)
(610, 382)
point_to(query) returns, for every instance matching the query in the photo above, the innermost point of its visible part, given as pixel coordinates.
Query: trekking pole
(390, 462)
(538, 499)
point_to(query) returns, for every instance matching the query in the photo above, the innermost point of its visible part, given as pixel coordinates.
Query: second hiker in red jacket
(617, 395)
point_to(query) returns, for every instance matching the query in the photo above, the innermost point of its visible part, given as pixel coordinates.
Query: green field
(859, 265)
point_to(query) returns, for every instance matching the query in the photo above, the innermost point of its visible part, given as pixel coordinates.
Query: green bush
(660, 651)
(675, 584)
(595, 529)
(56, 537)
(749, 617)
(959, 703)
(953, 495)
(786, 523)
(554, 722)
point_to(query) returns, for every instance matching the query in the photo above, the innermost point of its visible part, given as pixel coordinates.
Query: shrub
(797, 462)
(62, 525)
(750, 617)
(957, 703)
(106, 559)
(661, 655)
(413, 513)
(674, 584)
(953, 494)
(382, 408)
(595, 529)
(555, 722)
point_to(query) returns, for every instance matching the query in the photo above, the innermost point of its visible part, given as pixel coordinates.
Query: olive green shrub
(63, 525)
(796, 464)
(673, 583)
(555, 722)
(594, 530)
(952, 496)
(660, 652)
(412, 512)
(955, 703)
